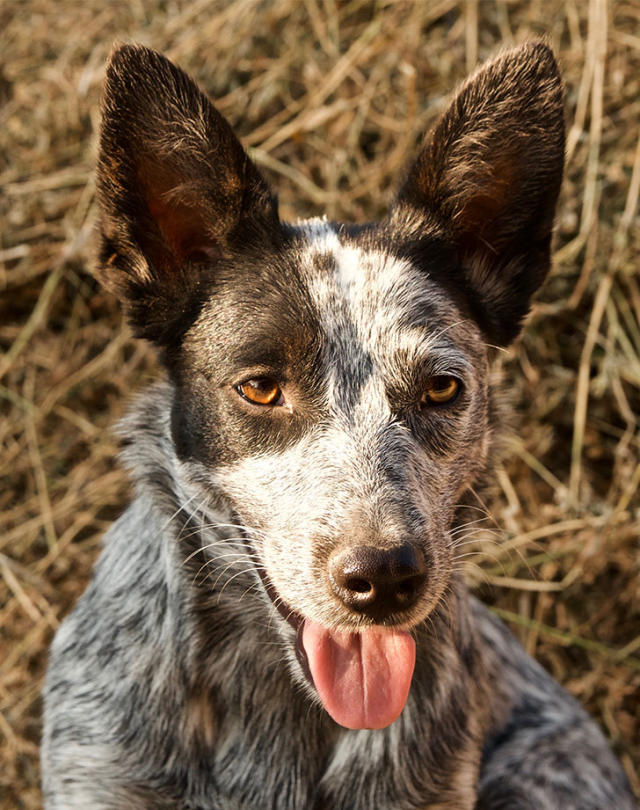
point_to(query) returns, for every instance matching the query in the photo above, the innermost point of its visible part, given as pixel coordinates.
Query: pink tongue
(363, 679)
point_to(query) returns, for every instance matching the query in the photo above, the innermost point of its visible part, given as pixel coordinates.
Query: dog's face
(332, 382)
(338, 398)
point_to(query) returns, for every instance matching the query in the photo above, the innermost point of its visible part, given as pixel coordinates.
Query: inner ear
(183, 228)
(478, 213)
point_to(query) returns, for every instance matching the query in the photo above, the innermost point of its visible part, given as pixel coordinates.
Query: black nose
(376, 581)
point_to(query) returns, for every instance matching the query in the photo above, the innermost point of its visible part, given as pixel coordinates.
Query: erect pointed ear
(175, 188)
(486, 183)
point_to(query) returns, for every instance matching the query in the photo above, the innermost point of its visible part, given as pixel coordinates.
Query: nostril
(407, 591)
(358, 585)
(406, 588)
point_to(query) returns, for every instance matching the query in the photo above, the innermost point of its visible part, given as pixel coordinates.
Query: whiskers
(225, 558)
(473, 544)
(228, 552)
(473, 541)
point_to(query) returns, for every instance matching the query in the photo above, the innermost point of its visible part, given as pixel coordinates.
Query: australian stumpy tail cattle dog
(279, 621)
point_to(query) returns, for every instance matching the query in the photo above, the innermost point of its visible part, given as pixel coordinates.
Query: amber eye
(261, 391)
(440, 390)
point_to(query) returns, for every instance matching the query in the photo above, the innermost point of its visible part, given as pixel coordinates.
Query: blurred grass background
(332, 98)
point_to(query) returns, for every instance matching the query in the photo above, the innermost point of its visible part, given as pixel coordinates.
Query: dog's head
(332, 381)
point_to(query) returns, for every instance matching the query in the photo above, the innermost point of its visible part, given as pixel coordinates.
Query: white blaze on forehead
(380, 317)
(368, 290)
(366, 301)
(319, 231)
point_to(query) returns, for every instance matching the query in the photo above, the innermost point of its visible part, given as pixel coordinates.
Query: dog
(278, 620)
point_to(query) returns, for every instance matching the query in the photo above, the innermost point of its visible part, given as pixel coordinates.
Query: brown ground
(331, 96)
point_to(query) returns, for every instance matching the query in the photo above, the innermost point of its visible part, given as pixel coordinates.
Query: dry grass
(331, 96)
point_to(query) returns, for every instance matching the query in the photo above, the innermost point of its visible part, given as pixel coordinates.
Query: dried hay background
(332, 97)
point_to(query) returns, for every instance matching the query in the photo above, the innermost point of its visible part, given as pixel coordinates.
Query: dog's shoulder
(543, 751)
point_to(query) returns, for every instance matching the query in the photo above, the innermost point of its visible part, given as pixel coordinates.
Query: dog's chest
(274, 750)
(258, 773)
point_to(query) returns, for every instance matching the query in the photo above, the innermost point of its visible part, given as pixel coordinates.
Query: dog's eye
(441, 390)
(261, 391)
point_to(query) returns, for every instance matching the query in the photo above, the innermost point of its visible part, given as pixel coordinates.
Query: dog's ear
(175, 189)
(487, 181)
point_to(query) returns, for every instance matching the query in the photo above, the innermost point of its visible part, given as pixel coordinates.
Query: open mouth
(362, 678)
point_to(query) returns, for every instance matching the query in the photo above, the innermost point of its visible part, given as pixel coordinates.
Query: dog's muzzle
(362, 678)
